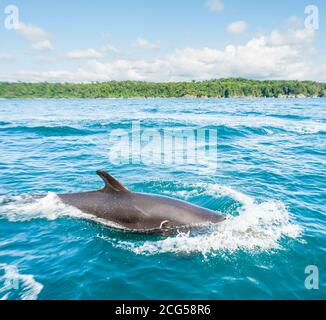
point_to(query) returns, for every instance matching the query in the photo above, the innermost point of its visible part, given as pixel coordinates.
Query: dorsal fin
(111, 184)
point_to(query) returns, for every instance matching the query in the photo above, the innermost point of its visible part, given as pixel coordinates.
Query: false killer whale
(139, 212)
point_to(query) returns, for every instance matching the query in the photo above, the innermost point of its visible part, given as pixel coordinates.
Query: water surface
(268, 179)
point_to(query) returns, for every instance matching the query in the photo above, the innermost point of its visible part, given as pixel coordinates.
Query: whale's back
(138, 211)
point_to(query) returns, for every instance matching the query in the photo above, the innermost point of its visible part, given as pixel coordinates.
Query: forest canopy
(222, 88)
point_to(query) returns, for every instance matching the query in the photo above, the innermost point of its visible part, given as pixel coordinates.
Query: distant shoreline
(220, 88)
(165, 98)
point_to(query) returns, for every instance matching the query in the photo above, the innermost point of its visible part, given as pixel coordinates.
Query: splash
(257, 227)
(26, 208)
(50, 207)
(14, 285)
(254, 227)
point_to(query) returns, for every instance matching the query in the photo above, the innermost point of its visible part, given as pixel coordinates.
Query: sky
(161, 40)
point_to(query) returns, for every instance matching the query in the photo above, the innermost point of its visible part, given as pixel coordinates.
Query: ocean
(259, 162)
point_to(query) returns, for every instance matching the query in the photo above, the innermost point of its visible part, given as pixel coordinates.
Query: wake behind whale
(252, 225)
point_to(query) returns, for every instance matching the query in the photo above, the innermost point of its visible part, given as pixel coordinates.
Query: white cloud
(105, 34)
(31, 32)
(142, 43)
(109, 48)
(6, 56)
(39, 36)
(286, 55)
(295, 21)
(293, 37)
(43, 45)
(84, 54)
(237, 27)
(92, 53)
(215, 5)
(52, 75)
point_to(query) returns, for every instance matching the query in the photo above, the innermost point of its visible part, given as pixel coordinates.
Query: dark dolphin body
(139, 212)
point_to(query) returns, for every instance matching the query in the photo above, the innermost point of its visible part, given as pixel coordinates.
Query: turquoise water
(267, 178)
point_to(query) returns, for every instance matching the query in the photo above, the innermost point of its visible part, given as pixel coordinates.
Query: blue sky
(161, 40)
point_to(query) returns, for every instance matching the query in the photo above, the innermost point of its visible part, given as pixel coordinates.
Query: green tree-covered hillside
(232, 87)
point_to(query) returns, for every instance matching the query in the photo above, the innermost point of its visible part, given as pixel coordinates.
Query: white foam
(50, 207)
(26, 208)
(24, 285)
(258, 227)
(254, 227)
(232, 121)
(216, 190)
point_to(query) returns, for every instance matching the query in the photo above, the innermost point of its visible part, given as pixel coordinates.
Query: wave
(228, 127)
(4, 123)
(300, 128)
(288, 116)
(17, 286)
(249, 123)
(250, 225)
(48, 131)
(256, 227)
